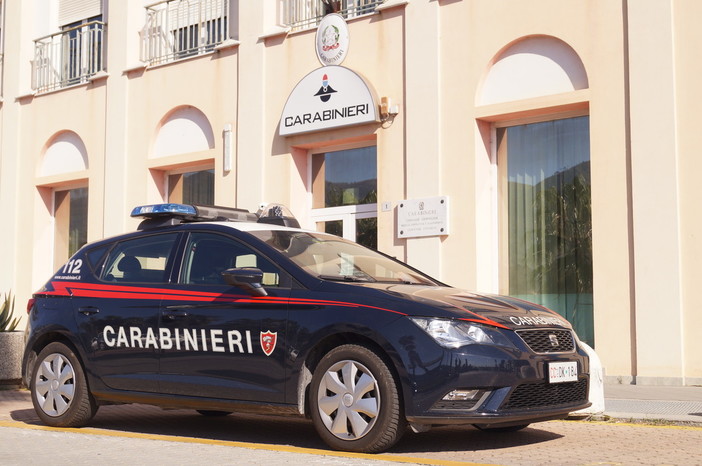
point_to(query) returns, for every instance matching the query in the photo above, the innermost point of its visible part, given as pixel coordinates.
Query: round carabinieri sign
(332, 40)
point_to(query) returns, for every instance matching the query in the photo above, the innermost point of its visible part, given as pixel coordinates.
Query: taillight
(30, 304)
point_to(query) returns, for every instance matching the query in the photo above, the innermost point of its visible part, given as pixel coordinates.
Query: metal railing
(68, 57)
(177, 29)
(304, 14)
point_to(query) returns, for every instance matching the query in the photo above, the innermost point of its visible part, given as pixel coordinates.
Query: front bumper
(512, 383)
(509, 406)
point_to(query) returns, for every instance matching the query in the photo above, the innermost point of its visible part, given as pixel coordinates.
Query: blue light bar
(164, 210)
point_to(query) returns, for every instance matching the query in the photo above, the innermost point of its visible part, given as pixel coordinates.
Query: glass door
(345, 194)
(358, 223)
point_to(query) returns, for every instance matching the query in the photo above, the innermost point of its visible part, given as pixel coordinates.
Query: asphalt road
(136, 434)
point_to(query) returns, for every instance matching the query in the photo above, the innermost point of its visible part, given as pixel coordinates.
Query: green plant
(7, 323)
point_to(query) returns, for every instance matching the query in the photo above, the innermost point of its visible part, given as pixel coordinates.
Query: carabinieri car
(220, 310)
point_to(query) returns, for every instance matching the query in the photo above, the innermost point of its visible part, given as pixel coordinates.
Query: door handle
(174, 314)
(88, 310)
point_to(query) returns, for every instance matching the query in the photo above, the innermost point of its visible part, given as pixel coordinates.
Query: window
(176, 29)
(71, 223)
(345, 194)
(195, 187)
(68, 57)
(547, 227)
(83, 47)
(208, 255)
(140, 260)
(302, 14)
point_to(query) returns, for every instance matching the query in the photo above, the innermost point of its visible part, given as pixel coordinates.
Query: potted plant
(11, 343)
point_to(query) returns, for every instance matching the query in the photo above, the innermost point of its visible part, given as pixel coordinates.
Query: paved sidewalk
(678, 404)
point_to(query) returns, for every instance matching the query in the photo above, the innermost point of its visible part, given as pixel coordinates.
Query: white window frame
(347, 214)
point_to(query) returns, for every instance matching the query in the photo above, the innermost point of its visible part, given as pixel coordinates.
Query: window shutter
(183, 14)
(71, 11)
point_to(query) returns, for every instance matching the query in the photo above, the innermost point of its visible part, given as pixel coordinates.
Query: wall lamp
(227, 148)
(387, 108)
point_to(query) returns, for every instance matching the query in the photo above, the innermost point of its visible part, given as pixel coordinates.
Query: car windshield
(332, 258)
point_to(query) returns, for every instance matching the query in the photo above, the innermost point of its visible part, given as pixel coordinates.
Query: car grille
(548, 340)
(543, 395)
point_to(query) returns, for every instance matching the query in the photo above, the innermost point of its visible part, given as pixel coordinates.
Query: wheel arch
(34, 348)
(325, 345)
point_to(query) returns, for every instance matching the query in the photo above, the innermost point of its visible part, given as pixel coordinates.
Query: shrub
(7, 323)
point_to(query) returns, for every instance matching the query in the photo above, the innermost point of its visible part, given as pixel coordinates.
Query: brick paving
(555, 442)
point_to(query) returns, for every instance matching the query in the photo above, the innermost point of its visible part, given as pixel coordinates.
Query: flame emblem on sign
(325, 92)
(268, 341)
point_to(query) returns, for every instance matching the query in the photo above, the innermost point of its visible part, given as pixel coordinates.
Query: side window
(207, 255)
(140, 260)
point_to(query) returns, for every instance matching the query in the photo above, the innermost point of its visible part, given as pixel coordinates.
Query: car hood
(496, 310)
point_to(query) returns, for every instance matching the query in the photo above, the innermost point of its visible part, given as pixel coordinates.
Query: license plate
(559, 372)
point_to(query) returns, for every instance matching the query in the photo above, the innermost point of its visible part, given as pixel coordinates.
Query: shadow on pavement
(289, 431)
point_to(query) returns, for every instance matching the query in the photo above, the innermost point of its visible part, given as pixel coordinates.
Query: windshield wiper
(406, 282)
(345, 278)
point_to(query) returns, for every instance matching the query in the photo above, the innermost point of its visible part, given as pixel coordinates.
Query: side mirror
(247, 278)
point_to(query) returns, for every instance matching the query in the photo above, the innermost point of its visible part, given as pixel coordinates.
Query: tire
(211, 413)
(502, 429)
(59, 389)
(354, 401)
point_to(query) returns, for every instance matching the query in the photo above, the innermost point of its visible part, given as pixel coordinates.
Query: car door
(117, 313)
(226, 343)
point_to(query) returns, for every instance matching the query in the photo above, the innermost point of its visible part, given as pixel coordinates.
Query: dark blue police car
(222, 311)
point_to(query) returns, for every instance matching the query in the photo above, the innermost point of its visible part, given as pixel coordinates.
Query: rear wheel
(59, 390)
(354, 401)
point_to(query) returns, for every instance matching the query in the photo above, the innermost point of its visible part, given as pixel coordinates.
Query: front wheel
(59, 390)
(354, 401)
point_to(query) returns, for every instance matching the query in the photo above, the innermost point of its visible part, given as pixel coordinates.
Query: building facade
(542, 149)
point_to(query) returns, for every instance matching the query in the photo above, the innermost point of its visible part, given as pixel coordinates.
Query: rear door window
(141, 260)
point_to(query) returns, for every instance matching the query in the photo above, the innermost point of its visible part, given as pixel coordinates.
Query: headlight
(456, 333)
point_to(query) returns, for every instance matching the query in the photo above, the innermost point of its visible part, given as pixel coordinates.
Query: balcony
(305, 14)
(68, 57)
(177, 29)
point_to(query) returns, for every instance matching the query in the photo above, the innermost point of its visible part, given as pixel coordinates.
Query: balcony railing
(304, 14)
(177, 29)
(68, 57)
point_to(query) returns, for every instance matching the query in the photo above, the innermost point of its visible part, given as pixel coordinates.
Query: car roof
(172, 214)
(253, 226)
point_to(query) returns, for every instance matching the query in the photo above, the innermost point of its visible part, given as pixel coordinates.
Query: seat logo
(553, 339)
(268, 341)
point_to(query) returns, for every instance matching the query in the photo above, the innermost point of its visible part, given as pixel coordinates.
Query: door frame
(347, 214)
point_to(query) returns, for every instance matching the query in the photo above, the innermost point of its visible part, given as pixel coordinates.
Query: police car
(220, 310)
